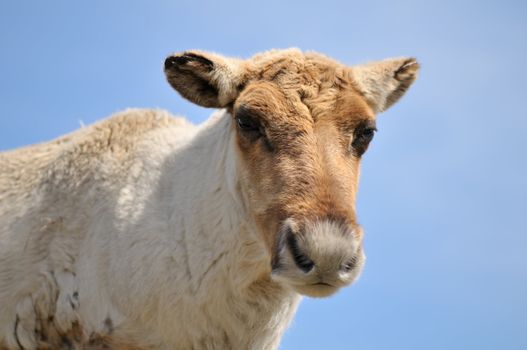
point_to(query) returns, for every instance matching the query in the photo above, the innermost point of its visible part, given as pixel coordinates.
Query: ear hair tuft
(384, 83)
(206, 79)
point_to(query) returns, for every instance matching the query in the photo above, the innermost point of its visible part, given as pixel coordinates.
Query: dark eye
(251, 128)
(361, 138)
(246, 123)
(367, 134)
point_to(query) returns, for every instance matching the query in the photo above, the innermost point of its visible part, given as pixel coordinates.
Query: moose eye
(367, 134)
(246, 123)
(361, 139)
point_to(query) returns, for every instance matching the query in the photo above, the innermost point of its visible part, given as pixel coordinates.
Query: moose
(144, 231)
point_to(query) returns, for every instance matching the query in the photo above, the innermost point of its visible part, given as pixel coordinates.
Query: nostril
(303, 262)
(350, 264)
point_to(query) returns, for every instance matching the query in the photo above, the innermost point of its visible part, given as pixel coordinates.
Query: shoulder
(124, 129)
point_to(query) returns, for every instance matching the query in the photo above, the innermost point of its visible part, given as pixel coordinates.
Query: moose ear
(206, 79)
(384, 82)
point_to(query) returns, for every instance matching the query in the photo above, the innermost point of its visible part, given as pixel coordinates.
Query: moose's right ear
(206, 79)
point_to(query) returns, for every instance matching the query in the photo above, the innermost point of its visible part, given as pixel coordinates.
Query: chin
(317, 290)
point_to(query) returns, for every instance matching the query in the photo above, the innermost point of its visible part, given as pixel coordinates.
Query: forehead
(303, 87)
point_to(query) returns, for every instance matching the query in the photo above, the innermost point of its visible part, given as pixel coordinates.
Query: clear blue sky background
(444, 186)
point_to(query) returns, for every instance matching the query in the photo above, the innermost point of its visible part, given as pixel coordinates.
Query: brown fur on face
(302, 121)
(302, 166)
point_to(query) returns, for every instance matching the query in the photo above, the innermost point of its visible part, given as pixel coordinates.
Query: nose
(318, 257)
(328, 246)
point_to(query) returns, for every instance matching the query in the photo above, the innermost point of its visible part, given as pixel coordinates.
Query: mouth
(317, 290)
(322, 284)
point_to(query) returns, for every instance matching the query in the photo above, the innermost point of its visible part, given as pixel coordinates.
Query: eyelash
(248, 124)
(361, 139)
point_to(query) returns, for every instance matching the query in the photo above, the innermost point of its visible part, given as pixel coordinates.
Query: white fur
(135, 232)
(155, 242)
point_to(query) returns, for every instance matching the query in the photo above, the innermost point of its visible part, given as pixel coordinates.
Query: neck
(216, 228)
(213, 269)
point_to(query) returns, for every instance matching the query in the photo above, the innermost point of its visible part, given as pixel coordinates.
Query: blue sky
(443, 193)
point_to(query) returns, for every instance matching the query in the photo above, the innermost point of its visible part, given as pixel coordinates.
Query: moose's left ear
(384, 82)
(206, 79)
